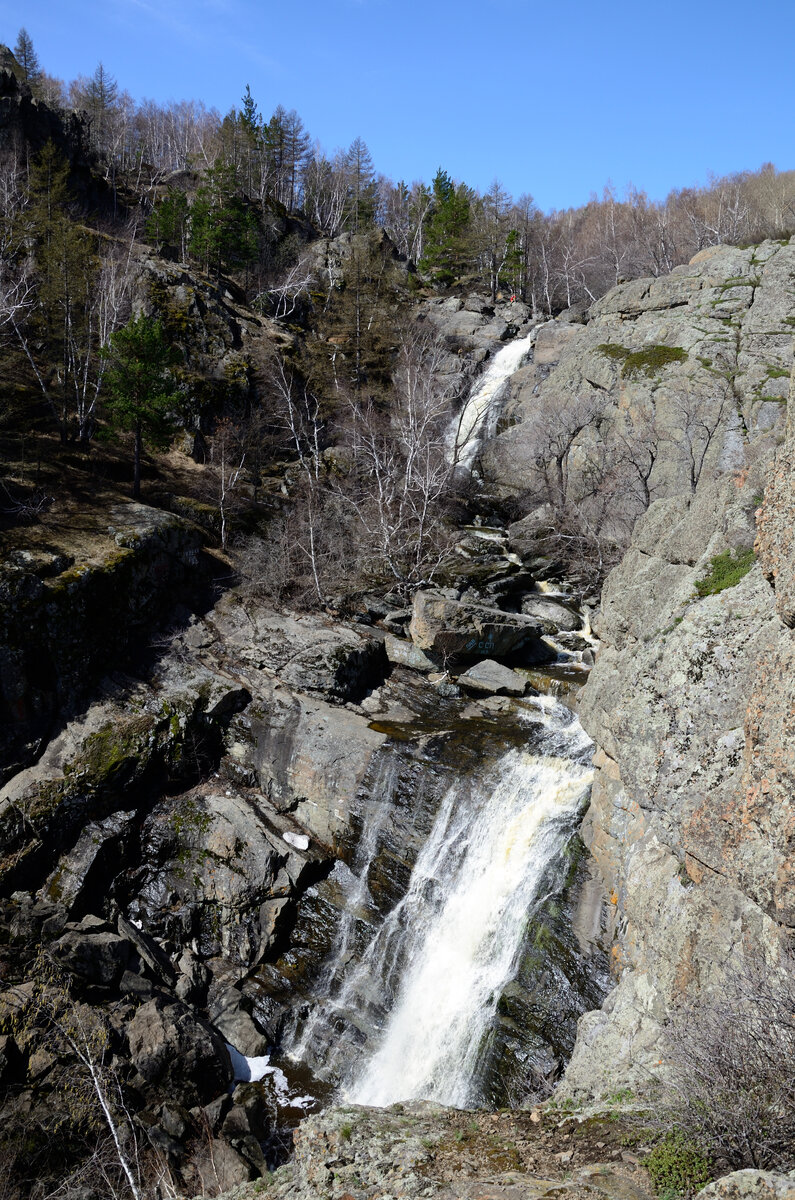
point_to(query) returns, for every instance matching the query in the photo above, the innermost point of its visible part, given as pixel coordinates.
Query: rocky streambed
(209, 850)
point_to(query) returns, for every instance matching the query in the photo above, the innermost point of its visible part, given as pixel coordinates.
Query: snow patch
(253, 1069)
(299, 840)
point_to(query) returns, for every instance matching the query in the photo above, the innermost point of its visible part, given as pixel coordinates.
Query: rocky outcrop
(449, 628)
(67, 615)
(715, 335)
(424, 1150)
(750, 1185)
(27, 124)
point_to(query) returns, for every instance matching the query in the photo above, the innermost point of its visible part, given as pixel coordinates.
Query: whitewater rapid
(475, 885)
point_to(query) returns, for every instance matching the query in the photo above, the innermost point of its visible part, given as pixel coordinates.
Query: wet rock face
(177, 1054)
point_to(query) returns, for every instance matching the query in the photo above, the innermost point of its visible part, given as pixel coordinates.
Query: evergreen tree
(141, 391)
(445, 249)
(249, 114)
(27, 58)
(167, 224)
(362, 187)
(223, 229)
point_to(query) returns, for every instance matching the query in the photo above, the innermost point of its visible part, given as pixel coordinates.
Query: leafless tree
(77, 1030)
(701, 416)
(229, 451)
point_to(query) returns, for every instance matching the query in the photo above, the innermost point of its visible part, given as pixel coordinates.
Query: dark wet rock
(61, 631)
(12, 1066)
(218, 1166)
(155, 959)
(227, 1008)
(177, 1053)
(94, 953)
(82, 871)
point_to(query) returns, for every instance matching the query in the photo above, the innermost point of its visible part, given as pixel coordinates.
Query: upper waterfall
(477, 417)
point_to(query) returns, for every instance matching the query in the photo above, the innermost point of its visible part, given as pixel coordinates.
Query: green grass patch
(652, 359)
(726, 570)
(614, 351)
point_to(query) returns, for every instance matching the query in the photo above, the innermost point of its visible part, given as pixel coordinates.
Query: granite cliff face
(690, 702)
(700, 357)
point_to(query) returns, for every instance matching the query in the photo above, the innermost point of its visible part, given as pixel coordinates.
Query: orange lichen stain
(694, 870)
(614, 898)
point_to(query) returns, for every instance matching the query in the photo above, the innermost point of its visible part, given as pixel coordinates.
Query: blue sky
(551, 99)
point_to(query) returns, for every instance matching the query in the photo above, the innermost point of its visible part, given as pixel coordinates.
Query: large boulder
(460, 631)
(750, 1185)
(177, 1053)
(493, 678)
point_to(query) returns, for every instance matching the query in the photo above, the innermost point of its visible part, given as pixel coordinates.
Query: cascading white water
(406, 1003)
(478, 416)
(476, 882)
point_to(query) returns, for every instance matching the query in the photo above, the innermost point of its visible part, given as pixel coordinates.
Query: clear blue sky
(552, 98)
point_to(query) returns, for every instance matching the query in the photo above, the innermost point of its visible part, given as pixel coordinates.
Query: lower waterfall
(427, 985)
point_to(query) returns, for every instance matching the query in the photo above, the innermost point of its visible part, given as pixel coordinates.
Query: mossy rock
(114, 751)
(646, 362)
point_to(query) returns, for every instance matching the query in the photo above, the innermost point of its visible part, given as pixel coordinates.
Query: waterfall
(410, 1018)
(477, 418)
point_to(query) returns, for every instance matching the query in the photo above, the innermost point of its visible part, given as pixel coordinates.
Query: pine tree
(167, 224)
(27, 58)
(362, 195)
(142, 394)
(223, 229)
(445, 252)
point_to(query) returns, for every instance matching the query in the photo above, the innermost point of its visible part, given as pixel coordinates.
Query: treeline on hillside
(210, 181)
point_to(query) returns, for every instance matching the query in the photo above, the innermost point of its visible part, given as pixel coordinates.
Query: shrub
(730, 1083)
(652, 359)
(678, 1166)
(726, 570)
